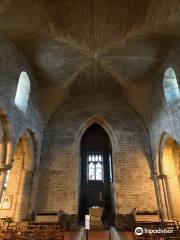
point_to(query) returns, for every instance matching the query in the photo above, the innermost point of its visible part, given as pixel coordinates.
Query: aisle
(70, 235)
(98, 235)
(126, 235)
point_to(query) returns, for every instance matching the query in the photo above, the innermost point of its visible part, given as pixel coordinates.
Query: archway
(5, 139)
(2, 143)
(18, 181)
(96, 173)
(169, 168)
(5, 149)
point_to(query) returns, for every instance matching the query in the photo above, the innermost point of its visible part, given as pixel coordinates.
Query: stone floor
(127, 235)
(93, 235)
(97, 235)
(100, 235)
(70, 235)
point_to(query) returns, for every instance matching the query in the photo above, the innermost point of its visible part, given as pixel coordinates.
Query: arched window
(22, 93)
(170, 85)
(95, 166)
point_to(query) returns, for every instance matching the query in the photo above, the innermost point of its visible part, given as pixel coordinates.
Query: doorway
(96, 188)
(16, 196)
(170, 180)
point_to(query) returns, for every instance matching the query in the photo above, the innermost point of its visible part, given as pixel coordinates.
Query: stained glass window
(95, 166)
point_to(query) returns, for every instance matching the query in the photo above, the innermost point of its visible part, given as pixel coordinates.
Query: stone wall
(12, 64)
(18, 123)
(59, 171)
(164, 118)
(14, 183)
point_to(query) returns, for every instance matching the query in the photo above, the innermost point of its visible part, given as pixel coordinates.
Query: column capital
(162, 176)
(5, 167)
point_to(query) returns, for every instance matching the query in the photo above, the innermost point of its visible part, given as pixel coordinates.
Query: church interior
(89, 119)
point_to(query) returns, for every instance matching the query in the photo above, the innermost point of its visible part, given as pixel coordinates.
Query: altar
(96, 217)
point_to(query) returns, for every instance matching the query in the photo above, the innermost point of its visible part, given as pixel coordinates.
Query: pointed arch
(19, 179)
(5, 139)
(96, 170)
(169, 178)
(100, 121)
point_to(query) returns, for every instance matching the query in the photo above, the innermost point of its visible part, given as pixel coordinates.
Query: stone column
(34, 191)
(158, 195)
(173, 192)
(23, 196)
(166, 215)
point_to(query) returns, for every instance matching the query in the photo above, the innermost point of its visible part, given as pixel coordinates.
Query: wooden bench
(46, 216)
(32, 230)
(146, 216)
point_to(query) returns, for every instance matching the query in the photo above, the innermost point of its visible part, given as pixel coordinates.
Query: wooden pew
(40, 231)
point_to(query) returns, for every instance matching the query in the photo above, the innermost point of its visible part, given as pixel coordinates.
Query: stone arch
(99, 120)
(129, 144)
(3, 146)
(82, 129)
(5, 139)
(162, 142)
(169, 177)
(28, 137)
(19, 186)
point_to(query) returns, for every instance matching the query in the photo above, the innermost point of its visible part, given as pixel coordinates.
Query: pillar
(166, 214)
(173, 192)
(21, 211)
(34, 191)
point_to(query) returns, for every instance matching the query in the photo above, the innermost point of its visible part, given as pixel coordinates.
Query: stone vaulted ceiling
(91, 44)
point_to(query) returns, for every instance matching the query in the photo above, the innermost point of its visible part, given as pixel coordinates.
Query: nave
(89, 119)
